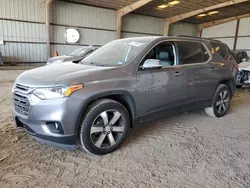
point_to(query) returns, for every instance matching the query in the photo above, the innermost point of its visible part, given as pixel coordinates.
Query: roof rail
(196, 37)
(185, 36)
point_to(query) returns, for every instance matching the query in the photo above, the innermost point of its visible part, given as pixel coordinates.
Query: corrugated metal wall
(244, 35)
(220, 31)
(29, 10)
(181, 28)
(134, 25)
(22, 30)
(95, 25)
(226, 33)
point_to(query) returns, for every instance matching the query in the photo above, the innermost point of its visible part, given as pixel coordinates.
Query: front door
(160, 89)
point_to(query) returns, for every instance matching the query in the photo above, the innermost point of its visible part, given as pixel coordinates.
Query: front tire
(104, 127)
(221, 102)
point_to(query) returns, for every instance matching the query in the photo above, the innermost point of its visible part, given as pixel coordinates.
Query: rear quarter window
(222, 50)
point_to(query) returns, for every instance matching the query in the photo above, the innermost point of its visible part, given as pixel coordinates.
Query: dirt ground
(190, 150)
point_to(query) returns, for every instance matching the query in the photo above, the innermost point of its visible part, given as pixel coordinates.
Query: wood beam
(199, 29)
(236, 34)
(195, 12)
(166, 28)
(118, 25)
(222, 21)
(47, 25)
(125, 10)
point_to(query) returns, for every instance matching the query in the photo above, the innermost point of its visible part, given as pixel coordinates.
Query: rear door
(220, 67)
(193, 57)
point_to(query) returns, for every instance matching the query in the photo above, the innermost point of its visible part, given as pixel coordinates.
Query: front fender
(127, 96)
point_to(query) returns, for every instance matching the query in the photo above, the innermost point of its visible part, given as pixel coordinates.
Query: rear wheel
(104, 127)
(239, 86)
(221, 102)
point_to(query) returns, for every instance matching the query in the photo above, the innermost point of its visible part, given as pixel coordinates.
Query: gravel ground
(188, 150)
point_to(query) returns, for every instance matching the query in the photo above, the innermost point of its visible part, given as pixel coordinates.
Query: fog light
(54, 127)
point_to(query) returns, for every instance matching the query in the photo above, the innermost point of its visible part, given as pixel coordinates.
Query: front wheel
(104, 127)
(221, 102)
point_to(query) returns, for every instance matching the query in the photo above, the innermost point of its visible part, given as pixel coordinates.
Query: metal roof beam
(195, 12)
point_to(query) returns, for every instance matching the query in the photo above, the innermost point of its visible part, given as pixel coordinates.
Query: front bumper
(243, 77)
(54, 120)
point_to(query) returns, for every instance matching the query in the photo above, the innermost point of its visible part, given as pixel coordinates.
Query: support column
(125, 10)
(118, 25)
(236, 33)
(47, 25)
(199, 29)
(166, 28)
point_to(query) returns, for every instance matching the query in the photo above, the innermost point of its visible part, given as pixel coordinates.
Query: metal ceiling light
(208, 14)
(172, 3)
(213, 12)
(162, 6)
(201, 15)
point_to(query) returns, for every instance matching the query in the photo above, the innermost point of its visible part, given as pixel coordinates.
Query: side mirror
(152, 64)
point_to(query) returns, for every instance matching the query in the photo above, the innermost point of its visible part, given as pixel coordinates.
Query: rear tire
(239, 86)
(104, 127)
(221, 102)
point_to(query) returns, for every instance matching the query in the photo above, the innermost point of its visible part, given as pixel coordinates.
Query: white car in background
(243, 76)
(75, 56)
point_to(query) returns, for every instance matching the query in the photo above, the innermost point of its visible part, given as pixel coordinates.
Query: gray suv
(126, 82)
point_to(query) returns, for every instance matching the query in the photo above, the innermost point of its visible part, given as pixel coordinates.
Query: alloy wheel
(222, 103)
(107, 129)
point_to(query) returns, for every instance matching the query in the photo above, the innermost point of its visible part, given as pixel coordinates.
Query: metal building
(27, 36)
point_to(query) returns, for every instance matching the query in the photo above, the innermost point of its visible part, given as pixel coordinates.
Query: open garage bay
(188, 150)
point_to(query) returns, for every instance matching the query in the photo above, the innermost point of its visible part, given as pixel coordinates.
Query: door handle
(178, 73)
(213, 69)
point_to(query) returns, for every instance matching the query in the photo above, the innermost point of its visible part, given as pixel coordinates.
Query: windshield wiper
(94, 63)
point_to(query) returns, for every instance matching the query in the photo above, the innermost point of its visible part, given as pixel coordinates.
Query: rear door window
(192, 52)
(223, 50)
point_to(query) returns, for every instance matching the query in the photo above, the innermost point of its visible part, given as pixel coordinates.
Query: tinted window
(163, 52)
(192, 52)
(223, 50)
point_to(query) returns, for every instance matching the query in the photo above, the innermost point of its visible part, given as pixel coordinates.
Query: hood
(244, 65)
(66, 74)
(64, 58)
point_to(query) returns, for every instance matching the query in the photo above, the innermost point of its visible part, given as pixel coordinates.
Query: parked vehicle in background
(243, 75)
(240, 55)
(75, 56)
(127, 81)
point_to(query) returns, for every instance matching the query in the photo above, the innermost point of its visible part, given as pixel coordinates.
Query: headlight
(56, 92)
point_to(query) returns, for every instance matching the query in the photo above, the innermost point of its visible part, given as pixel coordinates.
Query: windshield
(116, 53)
(80, 51)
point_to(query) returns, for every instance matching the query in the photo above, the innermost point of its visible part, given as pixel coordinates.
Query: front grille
(22, 87)
(21, 104)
